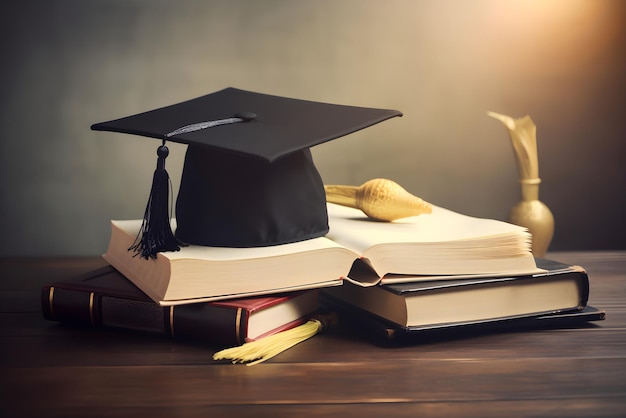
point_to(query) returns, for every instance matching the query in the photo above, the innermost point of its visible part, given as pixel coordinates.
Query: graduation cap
(248, 178)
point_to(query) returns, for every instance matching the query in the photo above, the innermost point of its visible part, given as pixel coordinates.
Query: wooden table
(53, 370)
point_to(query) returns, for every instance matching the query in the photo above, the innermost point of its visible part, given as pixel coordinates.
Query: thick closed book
(436, 303)
(382, 331)
(441, 243)
(105, 298)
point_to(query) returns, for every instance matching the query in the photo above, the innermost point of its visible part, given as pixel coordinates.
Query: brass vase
(533, 214)
(530, 212)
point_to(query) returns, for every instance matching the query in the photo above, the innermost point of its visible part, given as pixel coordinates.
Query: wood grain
(53, 370)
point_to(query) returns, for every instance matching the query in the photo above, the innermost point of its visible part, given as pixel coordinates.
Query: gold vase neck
(530, 188)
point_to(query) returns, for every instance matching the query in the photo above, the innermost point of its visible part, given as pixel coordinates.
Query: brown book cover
(105, 298)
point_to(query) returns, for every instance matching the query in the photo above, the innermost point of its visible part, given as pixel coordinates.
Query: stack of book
(443, 270)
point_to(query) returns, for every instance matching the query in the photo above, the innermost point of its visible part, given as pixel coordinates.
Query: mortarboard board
(248, 177)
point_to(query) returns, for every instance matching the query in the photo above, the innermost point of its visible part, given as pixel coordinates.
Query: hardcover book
(440, 303)
(381, 331)
(105, 298)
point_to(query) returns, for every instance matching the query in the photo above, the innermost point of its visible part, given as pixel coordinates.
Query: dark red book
(105, 298)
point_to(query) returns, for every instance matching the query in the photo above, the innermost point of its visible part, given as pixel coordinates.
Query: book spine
(213, 324)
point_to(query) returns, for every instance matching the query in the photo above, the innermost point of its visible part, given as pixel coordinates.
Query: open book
(441, 243)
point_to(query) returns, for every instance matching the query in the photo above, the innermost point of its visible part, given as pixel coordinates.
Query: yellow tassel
(255, 352)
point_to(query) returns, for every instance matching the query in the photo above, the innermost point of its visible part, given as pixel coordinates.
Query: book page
(352, 229)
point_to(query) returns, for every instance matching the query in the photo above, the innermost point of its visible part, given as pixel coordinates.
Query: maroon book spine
(105, 298)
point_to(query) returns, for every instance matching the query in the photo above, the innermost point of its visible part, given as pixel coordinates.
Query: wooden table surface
(51, 370)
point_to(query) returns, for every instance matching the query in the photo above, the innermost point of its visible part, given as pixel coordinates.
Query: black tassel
(156, 233)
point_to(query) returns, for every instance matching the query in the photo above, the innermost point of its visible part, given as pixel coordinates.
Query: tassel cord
(258, 351)
(155, 234)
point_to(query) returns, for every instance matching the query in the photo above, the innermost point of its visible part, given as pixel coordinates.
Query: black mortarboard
(248, 178)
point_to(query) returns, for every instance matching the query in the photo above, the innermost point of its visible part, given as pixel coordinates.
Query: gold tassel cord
(255, 352)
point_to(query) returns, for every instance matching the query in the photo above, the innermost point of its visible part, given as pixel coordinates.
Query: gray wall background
(444, 63)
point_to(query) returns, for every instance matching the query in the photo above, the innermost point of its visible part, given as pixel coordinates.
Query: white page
(351, 228)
